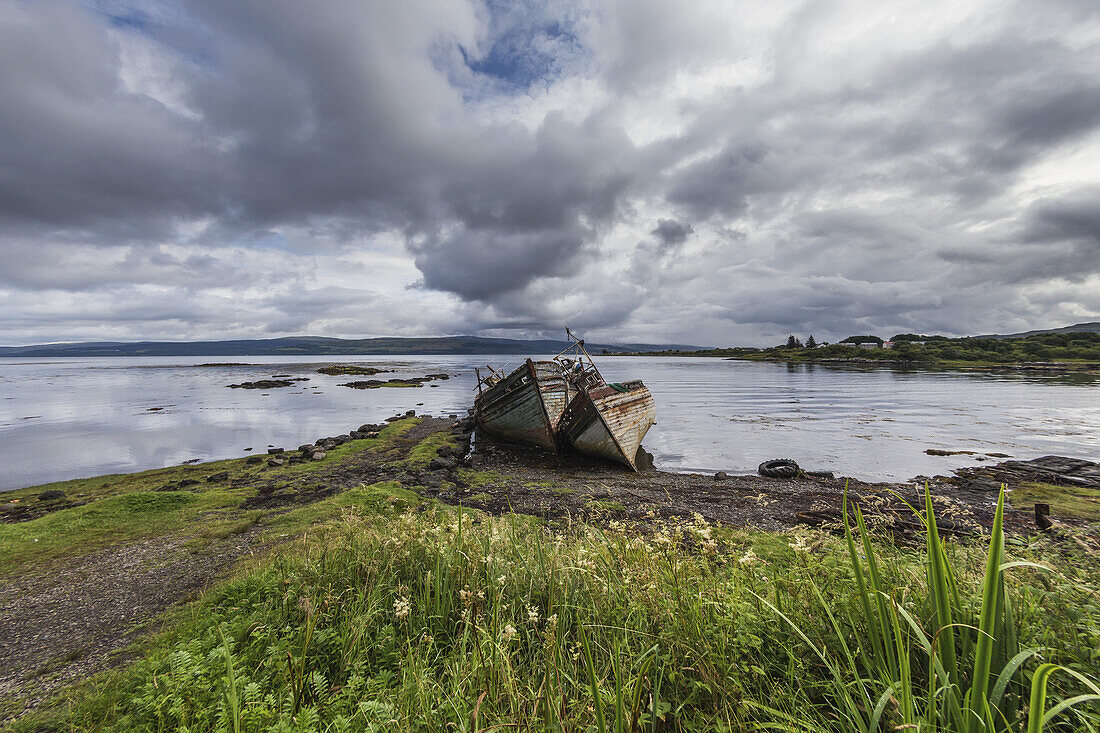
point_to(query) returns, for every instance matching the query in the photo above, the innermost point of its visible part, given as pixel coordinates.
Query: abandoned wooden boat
(524, 406)
(605, 420)
(609, 421)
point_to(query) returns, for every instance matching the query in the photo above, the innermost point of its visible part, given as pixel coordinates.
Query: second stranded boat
(567, 401)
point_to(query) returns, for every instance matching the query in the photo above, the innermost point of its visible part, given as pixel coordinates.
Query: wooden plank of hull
(610, 424)
(513, 409)
(553, 388)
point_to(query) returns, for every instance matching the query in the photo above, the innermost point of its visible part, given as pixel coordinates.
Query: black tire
(779, 468)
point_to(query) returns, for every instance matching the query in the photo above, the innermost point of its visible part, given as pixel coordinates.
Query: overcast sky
(714, 173)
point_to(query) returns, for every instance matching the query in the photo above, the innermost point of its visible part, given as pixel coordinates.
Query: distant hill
(321, 346)
(1091, 327)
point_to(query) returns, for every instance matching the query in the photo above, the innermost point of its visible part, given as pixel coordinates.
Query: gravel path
(65, 624)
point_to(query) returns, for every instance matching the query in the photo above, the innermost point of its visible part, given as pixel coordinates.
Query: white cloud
(695, 172)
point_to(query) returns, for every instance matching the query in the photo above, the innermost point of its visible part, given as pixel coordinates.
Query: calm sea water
(68, 418)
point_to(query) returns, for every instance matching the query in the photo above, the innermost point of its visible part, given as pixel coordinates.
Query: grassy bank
(200, 500)
(393, 614)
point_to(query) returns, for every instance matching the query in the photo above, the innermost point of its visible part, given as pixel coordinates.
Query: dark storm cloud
(804, 171)
(1073, 218)
(71, 267)
(671, 233)
(78, 152)
(1059, 240)
(484, 263)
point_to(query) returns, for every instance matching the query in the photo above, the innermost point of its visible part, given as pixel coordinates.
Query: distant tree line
(1077, 346)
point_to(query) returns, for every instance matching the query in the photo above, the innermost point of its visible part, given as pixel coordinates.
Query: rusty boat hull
(525, 406)
(609, 421)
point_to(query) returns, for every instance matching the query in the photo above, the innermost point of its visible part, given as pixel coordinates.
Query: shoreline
(82, 557)
(1083, 367)
(468, 464)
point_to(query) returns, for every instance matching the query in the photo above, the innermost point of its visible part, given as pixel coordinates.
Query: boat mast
(582, 372)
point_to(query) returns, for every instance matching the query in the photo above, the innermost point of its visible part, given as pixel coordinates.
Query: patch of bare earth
(72, 621)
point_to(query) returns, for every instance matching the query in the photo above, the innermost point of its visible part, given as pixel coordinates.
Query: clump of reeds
(964, 672)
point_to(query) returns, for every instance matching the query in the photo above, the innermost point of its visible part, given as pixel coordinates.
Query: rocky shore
(62, 599)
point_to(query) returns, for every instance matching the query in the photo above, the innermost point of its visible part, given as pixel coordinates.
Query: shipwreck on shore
(565, 401)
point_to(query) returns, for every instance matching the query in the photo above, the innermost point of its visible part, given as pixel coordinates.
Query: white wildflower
(532, 614)
(509, 633)
(401, 608)
(749, 559)
(799, 545)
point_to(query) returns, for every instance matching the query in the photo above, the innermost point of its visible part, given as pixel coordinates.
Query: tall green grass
(392, 618)
(963, 671)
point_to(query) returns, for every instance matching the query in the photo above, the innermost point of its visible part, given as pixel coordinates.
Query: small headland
(1077, 352)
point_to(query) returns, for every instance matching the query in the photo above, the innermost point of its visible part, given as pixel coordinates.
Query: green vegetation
(478, 478)
(393, 614)
(374, 608)
(607, 505)
(1069, 348)
(127, 507)
(119, 510)
(1065, 501)
(378, 384)
(428, 448)
(350, 369)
